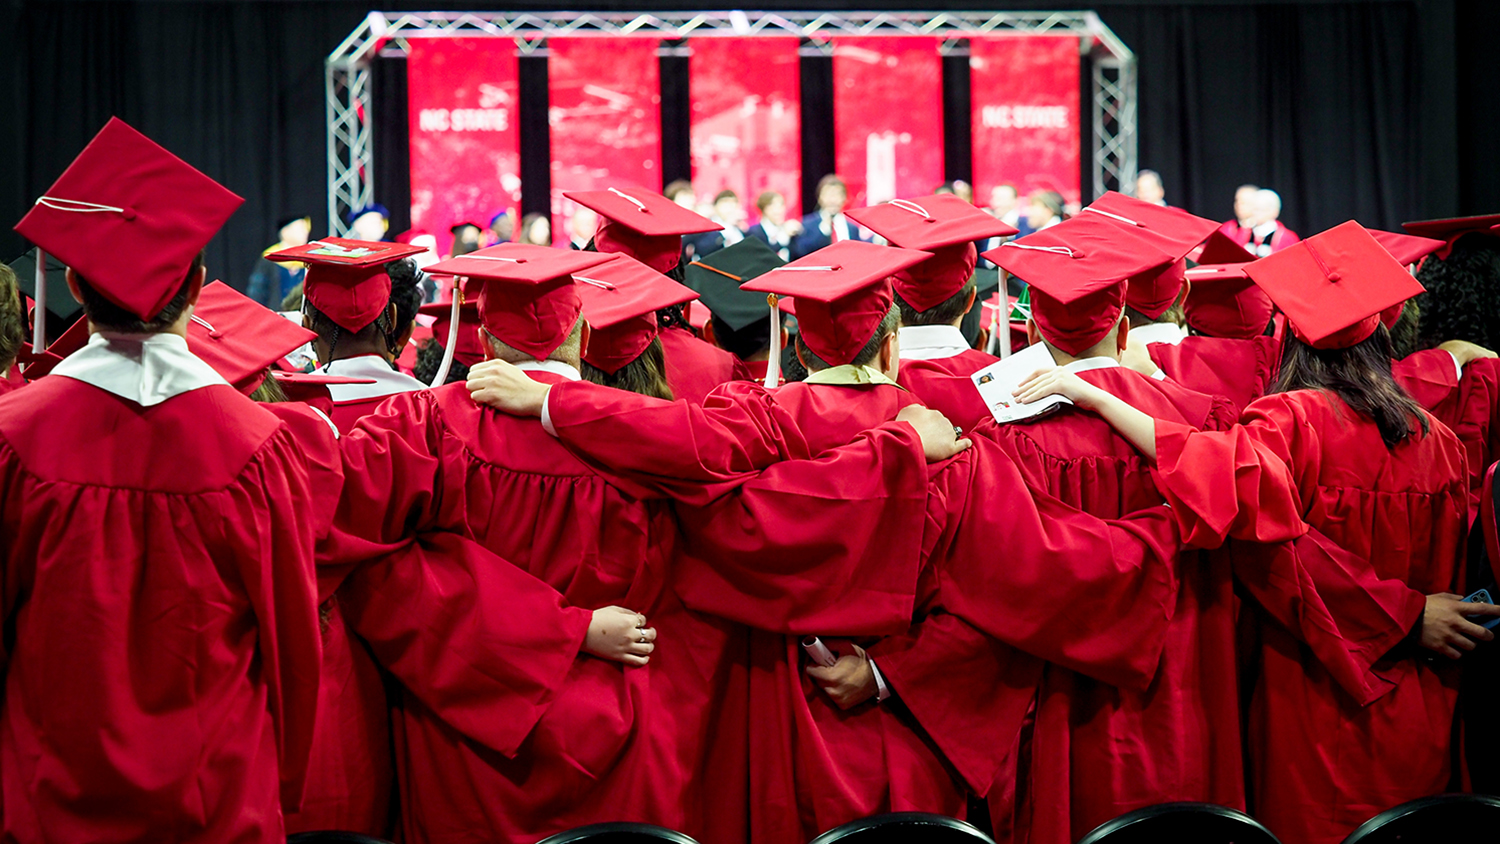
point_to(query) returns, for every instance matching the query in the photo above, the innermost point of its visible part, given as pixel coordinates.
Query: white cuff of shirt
(882, 691)
(1457, 365)
(547, 413)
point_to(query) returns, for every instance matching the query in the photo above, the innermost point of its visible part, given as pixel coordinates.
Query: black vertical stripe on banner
(958, 126)
(817, 126)
(676, 120)
(536, 137)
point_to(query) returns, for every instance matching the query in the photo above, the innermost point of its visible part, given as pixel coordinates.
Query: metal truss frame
(347, 69)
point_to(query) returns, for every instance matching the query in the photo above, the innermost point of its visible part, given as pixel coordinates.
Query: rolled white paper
(819, 652)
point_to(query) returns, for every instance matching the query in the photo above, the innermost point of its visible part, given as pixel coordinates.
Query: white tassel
(773, 366)
(39, 320)
(452, 345)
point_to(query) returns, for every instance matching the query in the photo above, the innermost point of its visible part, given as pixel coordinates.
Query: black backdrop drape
(1377, 111)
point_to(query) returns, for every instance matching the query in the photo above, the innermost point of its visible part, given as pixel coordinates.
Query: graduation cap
(372, 208)
(620, 299)
(1220, 248)
(62, 309)
(941, 224)
(1407, 249)
(1077, 272)
(1451, 229)
(346, 279)
(1224, 302)
(526, 295)
(37, 364)
(1173, 230)
(843, 291)
(1333, 285)
(239, 337)
(644, 225)
(717, 278)
(130, 218)
(468, 347)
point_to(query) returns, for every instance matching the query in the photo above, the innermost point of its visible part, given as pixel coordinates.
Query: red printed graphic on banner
(1025, 94)
(462, 96)
(605, 118)
(887, 117)
(746, 125)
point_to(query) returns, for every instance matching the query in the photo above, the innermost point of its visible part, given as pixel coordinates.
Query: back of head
(1461, 302)
(745, 343)
(108, 316)
(1360, 375)
(646, 375)
(947, 312)
(12, 318)
(867, 355)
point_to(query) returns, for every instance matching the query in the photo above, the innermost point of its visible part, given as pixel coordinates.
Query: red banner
(887, 116)
(462, 96)
(746, 124)
(1025, 94)
(605, 118)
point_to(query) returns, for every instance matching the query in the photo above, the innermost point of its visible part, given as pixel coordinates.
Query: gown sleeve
(1429, 376)
(276, 566)
(998, 556)
(1236, 482)
(481, 642)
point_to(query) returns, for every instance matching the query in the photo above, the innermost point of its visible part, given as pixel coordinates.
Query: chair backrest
(333, 837)
(1447, 817)
(619, 833)
(905, 828)
(1199, 823)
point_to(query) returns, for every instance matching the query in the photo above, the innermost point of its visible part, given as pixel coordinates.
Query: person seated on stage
(935, 295)
(581, 227)
(1149, 188)
(827, 224)
(465, 239)
(774, 229)
(1268, 234)
(730, 215)
(372, 223)
(1238, 229)
(738, 322)
(161, 660)
(536, 229)
(270, 282)
(351, 299)
(502, 227)
(1044, 209)
(650, 229)
(682, 194)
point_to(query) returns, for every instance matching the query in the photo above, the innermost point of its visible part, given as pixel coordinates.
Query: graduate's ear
(797, 350)
(708, 334)
(307, 320)
(785, 338)
(583, 340)
(195, 284)
(484, 343)
(1032, 335)
(73, 286)
(890, 354)
(1122, 336)
(969, 302)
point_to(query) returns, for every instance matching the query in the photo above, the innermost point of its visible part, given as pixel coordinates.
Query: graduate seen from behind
(161, 669)
(1336, 734)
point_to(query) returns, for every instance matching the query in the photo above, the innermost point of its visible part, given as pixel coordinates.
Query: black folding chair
(1447, 817)
(619, 833)
(1480, 685)
(1198, 823)
(333, 837)
(905, 828)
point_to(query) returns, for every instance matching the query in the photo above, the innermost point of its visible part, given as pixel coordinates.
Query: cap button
(127, 213)
(1334, 276)
(1076, 254)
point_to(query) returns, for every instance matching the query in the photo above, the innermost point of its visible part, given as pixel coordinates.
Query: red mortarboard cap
(1451, 229)
(469, 348)
(620, 299)
(941, 224)
(644, 225)
(1220, 248)
(1173, 230)
(346, 279)
(129, 217)
(1224, 302)
(842, 291)
(239, 337)
(41, 363)
(1333, 285)
(1077, 271)
(525, 292)
(1407, 249)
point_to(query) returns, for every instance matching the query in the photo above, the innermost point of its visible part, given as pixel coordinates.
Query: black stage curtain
(1376, 111)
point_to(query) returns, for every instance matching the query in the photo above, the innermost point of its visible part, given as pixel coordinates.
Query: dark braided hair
(1461, 301)
(406, 295)
(430, 357)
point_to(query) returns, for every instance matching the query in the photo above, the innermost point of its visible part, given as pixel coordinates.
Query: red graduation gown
(695, 367)
(943, 384)
(162, 675)
(1468, 404)
(1099, 750)
(1331, 746)
(600, 741)
(1239, 370)
(833, 773)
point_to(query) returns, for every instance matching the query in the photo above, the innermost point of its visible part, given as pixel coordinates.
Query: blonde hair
(12, 317)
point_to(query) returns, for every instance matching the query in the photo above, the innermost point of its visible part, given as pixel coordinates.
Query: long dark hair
(1361, 376)
(646, 375)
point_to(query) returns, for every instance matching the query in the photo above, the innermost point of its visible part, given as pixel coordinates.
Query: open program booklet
(998, 381)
